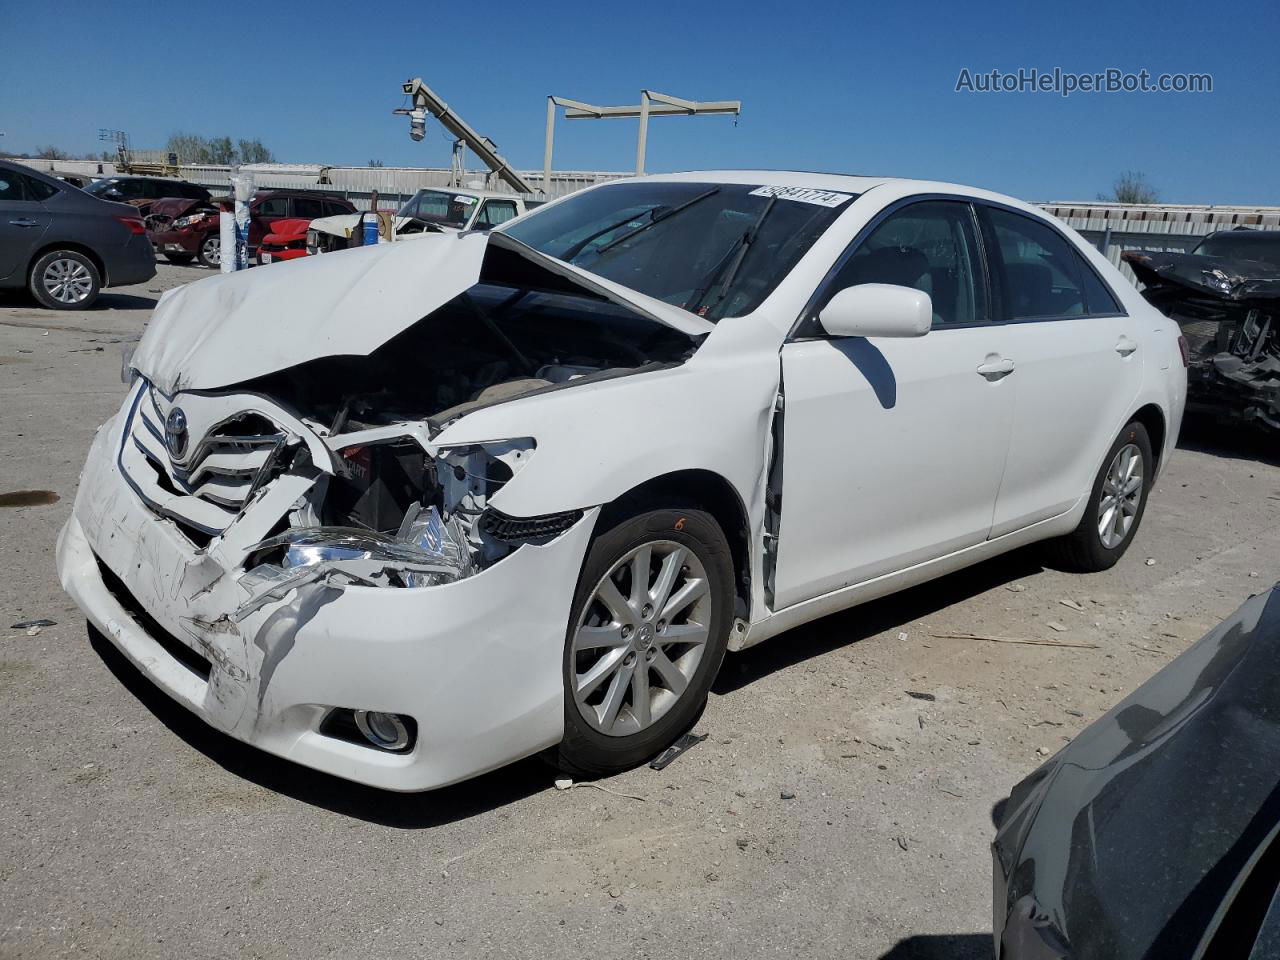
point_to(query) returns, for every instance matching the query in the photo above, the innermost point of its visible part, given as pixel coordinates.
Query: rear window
(1242, 245)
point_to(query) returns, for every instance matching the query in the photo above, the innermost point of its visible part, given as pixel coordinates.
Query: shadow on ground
(1234, 441)
(858, 623)
(942, 946)
(407, 811)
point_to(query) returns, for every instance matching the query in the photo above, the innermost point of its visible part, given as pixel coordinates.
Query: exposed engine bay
(384, 506)
(1229, 312)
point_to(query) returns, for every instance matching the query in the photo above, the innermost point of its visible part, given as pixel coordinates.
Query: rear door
(24, 219)
(893, 449)
(1078, 366)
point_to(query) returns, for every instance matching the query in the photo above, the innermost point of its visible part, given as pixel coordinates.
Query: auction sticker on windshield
(824, 198)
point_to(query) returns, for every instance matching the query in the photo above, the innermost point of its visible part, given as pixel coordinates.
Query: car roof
(840, 182)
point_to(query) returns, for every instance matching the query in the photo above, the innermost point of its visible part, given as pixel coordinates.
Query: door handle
(995, 367)
(25, 222)
(1125, 346)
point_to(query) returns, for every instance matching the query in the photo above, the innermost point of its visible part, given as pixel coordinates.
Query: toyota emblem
(175, 433)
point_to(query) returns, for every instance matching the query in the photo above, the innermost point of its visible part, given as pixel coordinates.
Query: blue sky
(849, 87)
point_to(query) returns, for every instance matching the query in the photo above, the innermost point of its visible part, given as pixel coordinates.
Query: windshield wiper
(657, 219)
(732, 260)
(656, 215)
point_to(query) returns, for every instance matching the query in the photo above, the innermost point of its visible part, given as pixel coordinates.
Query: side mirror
(113, 194)
(877, 310)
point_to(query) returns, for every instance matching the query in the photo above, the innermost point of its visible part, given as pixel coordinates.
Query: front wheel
(210, 254)
(648, 630)
(1116, 504)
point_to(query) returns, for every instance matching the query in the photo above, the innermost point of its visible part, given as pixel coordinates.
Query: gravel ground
(127, 829)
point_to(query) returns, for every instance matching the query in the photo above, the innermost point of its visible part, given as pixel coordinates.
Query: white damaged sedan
(410, 512)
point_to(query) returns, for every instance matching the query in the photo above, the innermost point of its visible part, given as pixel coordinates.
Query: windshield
(1244, 245)
(716, 250)
(440, 206)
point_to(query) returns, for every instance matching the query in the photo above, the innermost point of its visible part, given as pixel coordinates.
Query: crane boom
(425, 101)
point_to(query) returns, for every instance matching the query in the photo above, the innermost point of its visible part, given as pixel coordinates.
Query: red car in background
(186, 230)
(286, 241)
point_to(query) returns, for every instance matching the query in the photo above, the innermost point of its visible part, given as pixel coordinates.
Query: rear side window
(1040, 274)
(931, 246)
(1098, 297)
(38, 189)
(307, 207)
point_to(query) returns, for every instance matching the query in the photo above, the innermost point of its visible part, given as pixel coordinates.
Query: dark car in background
(142, 192)
(64, 244)
(1225, 295)
(187, 230)
(1155, 833)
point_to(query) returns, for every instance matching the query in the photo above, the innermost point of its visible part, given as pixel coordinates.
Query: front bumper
(477, 662)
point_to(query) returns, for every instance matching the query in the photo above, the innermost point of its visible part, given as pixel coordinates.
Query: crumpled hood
(236, 327)
(1222, 277)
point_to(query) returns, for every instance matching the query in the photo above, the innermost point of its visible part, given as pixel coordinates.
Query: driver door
(893, 449)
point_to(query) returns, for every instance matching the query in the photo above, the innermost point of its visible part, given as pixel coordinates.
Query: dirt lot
(127, 829)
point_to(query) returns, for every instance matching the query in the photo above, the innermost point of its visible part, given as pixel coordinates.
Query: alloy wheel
(67, 280)
(1121, 496)
(213, 250)
(640, 638)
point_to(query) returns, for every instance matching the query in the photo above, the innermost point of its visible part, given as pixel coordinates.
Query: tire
(209, 252)
(180, 259)
(593, 744)
(1087, 549)
(65, 280)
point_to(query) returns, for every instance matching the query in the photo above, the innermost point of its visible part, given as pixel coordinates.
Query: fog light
(385, 730)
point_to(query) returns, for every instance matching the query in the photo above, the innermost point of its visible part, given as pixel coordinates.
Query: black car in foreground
(65, 245)
(1154, 833)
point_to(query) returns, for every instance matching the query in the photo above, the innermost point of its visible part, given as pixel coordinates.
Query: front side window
(273, 207)
(1039, 273)
(10, 186)
(930, 246)
(716, 250)
(495, 212)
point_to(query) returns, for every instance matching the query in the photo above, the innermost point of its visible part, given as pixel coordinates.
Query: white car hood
(237, 327)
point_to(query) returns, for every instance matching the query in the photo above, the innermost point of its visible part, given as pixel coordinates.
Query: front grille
(193, 661)
(221, 468)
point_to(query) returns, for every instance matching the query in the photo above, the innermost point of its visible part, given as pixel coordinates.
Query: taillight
(133, 225)
(1185, 351)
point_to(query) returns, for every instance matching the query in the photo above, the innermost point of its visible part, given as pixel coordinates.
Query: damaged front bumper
(475, 663)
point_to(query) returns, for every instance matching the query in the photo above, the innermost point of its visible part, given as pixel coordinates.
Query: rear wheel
(210, 254)
(181, 259)
(648, 631)
(65, 280)
(1116, 505)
